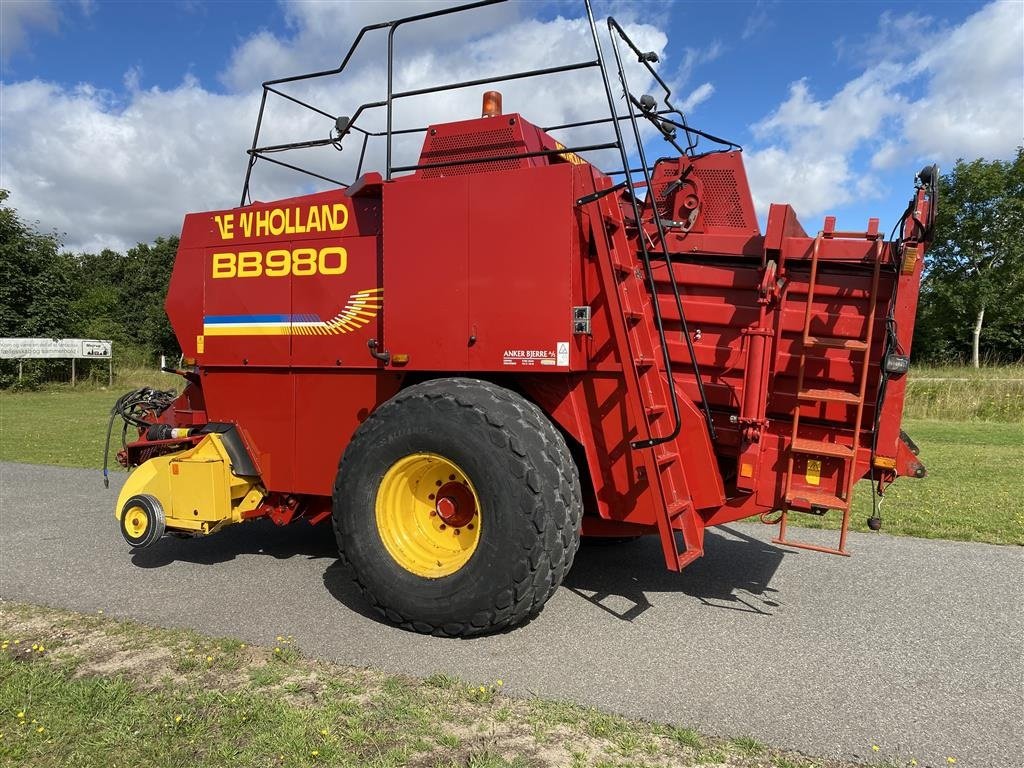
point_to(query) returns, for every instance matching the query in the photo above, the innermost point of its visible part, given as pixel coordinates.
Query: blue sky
(118, 118)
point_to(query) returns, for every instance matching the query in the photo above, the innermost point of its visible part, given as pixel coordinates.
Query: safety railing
(668, 120)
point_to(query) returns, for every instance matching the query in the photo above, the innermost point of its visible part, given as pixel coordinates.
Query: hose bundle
(135, 409)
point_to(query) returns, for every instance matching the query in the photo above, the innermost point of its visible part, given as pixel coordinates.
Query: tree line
(971, 307)
(47, 292)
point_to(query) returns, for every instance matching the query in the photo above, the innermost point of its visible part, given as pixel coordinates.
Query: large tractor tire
(457, 508)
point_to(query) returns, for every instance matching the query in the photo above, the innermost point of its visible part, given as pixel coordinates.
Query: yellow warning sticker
(813, 474)
(910, 254)
(200, 344)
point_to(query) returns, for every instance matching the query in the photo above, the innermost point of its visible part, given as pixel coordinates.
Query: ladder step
(825, 342)
(810, 499)
(622, 269)
(633, 315)
(821, 448)
(645, 362)
(667, 458)
(853, 235)
(676, 508)
(653, 411)
(829, 396)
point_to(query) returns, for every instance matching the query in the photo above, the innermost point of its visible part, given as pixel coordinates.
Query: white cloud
(758, 20)
(698, 95)
(113, 169)
(974, 104)
(110, 177)
(958, 95)
(695, 57)
(804, 146)
(18, 17)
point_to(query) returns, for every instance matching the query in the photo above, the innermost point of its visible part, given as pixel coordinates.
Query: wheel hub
(455, 504)
(136, 522)
(428, 515)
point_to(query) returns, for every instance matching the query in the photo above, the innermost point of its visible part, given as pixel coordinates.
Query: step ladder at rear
(810, 500)
(803, 445)
(827, 342)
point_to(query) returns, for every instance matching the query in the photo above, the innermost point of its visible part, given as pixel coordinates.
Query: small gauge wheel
(142, 520)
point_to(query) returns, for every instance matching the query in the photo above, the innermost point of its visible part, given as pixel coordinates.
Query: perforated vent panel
(468, 146)
(720, 201)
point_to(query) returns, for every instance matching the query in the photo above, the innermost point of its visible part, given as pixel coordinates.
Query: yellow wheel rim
(428, 515)
(136, 521)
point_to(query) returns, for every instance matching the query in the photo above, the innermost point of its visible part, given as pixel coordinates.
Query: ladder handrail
(613, 26)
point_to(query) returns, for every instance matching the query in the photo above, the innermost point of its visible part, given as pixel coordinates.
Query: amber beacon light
(492, 104)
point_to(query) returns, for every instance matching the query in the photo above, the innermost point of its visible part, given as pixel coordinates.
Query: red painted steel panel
(426, 261)
(262, 404)
(521, 225)
(330, 406)
(354, 295)
(184, 297)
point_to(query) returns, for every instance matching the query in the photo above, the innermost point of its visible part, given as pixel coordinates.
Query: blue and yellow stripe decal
(361, 308)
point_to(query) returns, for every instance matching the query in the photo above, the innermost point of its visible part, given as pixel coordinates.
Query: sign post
(76, 349)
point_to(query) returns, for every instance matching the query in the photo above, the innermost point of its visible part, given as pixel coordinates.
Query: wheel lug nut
(443, 526)
(433, 513)
(437, 483)
(470, 526)
(456, 531)
(431, 497)
(451, 477)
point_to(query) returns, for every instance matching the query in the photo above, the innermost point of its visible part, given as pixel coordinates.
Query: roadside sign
(82, 349)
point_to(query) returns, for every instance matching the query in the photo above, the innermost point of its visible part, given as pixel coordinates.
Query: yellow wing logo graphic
(361, 307)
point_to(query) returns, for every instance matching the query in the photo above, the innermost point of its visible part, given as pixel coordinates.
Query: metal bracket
(601, 193)
(581, 321)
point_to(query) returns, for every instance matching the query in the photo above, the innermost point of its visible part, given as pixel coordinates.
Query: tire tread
(537, 453)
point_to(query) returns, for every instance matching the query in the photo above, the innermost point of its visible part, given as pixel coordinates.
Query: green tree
(36, 281)
(972, 293)
(148, 273)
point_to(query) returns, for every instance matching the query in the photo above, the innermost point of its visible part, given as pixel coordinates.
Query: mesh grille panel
(721, 200)
(468, 146)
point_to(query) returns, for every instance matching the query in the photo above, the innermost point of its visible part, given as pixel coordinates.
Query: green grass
(959, 393)
(58, 426)
(65, 425)
(75, 690)
(972, 492)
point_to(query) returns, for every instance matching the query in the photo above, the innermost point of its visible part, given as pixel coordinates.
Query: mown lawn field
(974, 453)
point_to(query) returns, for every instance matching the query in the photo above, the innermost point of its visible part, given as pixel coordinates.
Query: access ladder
(800, 442)
(633, 318)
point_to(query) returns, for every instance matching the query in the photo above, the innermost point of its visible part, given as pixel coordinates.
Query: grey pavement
(911, 644)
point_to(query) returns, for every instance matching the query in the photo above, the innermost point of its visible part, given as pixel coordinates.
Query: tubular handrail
(614, 31)
(664, 119)
(256, 152)
(659, 322)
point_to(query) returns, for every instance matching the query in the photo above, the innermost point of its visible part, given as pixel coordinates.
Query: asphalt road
(913, 645)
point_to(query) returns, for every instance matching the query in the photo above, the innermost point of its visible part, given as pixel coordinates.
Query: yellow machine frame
(196, 488)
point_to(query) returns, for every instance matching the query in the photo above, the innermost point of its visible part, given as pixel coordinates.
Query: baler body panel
(477, 269)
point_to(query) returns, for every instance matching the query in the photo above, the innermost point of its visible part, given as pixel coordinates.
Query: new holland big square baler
(470, 362)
